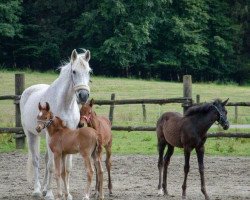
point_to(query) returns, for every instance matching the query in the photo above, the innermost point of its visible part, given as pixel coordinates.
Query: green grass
(137, 142)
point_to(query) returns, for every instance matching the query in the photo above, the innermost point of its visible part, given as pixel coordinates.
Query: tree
(10, 27)
(119, 32)
(180, 42)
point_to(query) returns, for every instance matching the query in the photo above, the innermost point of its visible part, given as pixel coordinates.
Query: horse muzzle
(226, 125)
(82, 95)
(39, 128)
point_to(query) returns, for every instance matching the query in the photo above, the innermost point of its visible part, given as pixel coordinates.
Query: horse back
(169, 128)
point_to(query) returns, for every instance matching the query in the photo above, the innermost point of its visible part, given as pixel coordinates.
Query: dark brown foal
(103, 127)
(188, 132)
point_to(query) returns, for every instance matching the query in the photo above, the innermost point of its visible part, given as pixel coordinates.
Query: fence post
(236, 114)
(144, 112)
(112, 107)
(19, 88)
(187, 91)
(198, 99)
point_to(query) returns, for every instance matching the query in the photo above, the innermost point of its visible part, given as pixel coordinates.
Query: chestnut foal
(103, 127)
(65, 141)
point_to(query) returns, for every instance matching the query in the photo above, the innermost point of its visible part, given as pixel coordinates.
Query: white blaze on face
(40, 114)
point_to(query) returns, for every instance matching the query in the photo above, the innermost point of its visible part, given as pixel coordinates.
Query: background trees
(145, 38)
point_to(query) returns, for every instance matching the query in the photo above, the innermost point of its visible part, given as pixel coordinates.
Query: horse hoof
(69, 197)
(49, 197)
(44, 192)
(36, 194)
(160, 192)
(184, 198)
(86, 198)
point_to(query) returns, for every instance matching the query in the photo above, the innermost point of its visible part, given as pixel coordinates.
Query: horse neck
(95, 124)
(52, 129)
(204, 121)
(61, 90)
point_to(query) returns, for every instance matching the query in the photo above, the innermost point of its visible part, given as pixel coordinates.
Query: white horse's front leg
(45, 179)
(50, 168)
(33, 142)
(68, 162)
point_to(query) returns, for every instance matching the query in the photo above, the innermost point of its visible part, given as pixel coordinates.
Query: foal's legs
(108, 164)
(167, 157)
(90, 173)
(63, 174)
(57, 160)
(161, 147)
(200, 156)
(34, 145)
(100, 175)
(186, 170)
(68, 167)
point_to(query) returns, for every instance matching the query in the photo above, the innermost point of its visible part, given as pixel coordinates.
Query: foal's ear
(87, 55)
(39, 106)
(47, 107)
(91, 103)
(73, 55)
(64, 124)
(225, 102)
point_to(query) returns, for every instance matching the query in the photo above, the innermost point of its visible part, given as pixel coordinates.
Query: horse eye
(74, 72)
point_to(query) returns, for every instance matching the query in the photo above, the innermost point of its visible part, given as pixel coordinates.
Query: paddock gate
(186, 101)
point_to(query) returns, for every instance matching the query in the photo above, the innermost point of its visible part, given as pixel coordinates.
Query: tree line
(161, 39)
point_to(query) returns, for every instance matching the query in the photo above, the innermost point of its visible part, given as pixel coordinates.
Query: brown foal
(103, 127)
(65, 141)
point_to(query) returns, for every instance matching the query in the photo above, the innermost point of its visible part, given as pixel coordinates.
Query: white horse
(71, 86)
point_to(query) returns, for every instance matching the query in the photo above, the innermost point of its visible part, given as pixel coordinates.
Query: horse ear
(47, 106)
(73, 55)
(91, 103)
(225, 102)
(39, 106)
(87, 56)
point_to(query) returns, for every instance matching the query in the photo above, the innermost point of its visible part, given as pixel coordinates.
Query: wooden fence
(186, 101)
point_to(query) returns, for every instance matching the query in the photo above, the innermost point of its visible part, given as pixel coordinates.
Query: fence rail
(186, 101)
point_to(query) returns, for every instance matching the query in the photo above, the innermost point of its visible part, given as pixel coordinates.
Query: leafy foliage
(146, 38)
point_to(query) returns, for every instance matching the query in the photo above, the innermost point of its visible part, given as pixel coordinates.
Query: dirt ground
(136, 177)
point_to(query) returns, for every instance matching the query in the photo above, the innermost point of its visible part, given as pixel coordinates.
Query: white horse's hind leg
(34, 147)
(68, 170)
(50, 169)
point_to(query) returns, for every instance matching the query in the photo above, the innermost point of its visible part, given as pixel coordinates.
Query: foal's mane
(203, 108)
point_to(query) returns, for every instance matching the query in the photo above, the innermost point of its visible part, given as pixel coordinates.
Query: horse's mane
(65, 65)
(203, 108)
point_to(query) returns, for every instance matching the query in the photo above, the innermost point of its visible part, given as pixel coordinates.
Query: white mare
(71, 86)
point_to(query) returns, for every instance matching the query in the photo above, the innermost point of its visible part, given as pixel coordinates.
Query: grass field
(138, 142)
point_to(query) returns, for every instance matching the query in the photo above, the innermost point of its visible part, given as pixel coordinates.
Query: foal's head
(219, 108)
(44, 117)
(86, 114)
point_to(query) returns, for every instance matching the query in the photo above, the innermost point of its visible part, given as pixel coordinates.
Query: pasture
(134, 153)
(138, 142)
